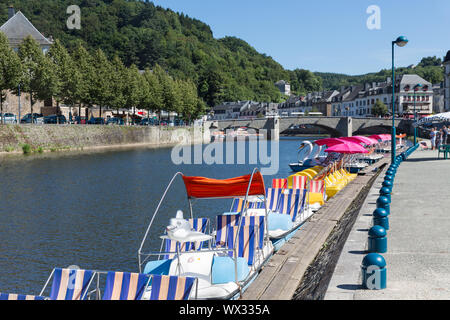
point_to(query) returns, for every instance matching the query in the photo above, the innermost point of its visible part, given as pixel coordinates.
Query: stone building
(447, 82)
(284, 87)
(16, 29)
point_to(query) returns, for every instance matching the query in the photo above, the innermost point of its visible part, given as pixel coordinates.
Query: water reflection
(92, 209)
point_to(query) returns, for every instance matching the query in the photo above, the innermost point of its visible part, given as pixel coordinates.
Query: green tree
(132, 94)
(10, 69)
(152, 97)
(38, 77)
(211, 85)
(189, 99)
(379, 108)
(119, 77)
(101, 87)
(84, 65)
(69, 84)
(171, 97)
(430, 61)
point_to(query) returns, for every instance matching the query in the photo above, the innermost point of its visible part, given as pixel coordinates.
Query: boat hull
(297, 167)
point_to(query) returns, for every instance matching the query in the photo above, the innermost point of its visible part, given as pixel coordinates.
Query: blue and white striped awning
(435, 118)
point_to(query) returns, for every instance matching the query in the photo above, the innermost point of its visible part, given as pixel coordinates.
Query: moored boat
(224, 261)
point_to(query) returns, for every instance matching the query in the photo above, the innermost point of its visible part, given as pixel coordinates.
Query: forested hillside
(429, 68)
(143, 34)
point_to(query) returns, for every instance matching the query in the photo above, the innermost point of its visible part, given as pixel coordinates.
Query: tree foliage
(145, 35)
(379, 109)
(38, 77)
(10, 69)
(430, 69)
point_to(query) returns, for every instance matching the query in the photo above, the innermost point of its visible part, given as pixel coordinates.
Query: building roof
(328, 95)
(19, 27)
(447, 57)
(354, 93)
(281, 82)
(413, 79)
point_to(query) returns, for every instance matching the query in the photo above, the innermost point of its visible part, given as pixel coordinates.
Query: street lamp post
(18, 93)
(416, 88)
(401, 42)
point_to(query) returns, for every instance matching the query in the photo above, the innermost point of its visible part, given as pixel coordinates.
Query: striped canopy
(201, 187)
(440, 117)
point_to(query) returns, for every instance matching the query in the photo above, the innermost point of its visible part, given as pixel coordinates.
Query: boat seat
(223, 269)
(279, 221)
(160, 267)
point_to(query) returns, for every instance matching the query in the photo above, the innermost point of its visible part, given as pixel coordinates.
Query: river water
(92, 209)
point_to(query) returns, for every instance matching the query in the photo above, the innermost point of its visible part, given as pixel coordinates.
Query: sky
(328, 35)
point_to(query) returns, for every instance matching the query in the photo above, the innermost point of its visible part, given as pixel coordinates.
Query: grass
(9, 149)
(26, 148)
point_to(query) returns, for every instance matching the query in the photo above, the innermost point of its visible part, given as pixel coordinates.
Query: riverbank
(418, 240)
(299, 269)
(26, 138)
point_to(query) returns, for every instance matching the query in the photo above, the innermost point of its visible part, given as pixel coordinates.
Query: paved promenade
(418, 257)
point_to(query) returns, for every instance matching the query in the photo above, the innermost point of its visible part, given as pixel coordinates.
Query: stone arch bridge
(335, 126)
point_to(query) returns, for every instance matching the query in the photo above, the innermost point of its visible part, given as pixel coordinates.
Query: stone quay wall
(52, 137)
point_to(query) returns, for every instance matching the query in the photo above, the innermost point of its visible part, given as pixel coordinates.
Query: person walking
(444, 135)
(438, 138)
(433, 138)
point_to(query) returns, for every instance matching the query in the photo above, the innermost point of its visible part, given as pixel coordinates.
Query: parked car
(39, 120)
(27, 118)
(115, 121)
(149, 122)
(80, 120)
(179, 122)
(8, 118)
(97, 120)
(61, 119)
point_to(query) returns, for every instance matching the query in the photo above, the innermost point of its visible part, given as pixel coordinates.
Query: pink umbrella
(329, 141)
(378, 137)
(348, 147)
(360, 139)
(374, 141)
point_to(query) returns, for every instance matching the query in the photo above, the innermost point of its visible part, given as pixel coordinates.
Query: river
(91, 209)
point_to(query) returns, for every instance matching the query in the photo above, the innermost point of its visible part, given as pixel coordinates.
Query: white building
(447, 82)
(358, 100)
(284, 87)
(242, 110)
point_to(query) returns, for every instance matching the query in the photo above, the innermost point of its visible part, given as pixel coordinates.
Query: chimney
(374, 85)
(367, 86)
(388, 79)
(342, 89)
(11, 12)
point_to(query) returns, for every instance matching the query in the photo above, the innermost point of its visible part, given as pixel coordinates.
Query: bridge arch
(333, 132)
